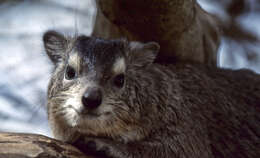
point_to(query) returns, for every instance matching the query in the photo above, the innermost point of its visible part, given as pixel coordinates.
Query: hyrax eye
(119, 80)
(70, 73)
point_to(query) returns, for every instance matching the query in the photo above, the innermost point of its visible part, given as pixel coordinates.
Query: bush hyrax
(109, 98)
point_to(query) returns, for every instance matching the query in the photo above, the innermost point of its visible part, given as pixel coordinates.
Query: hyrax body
(108, 98)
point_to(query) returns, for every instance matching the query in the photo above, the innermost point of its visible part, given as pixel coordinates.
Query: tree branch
(14, 145)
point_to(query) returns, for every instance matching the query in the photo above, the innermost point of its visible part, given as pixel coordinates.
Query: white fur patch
(119, 66)
(71, 117)
(74, 60)
(71, 106)
(135, 45)
(74, 101)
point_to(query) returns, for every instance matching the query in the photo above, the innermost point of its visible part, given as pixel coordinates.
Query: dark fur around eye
(70, 73)
(119, 80)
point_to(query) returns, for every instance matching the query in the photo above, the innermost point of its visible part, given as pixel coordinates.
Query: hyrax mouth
(91, 114)
(94, 114)
(82, 112)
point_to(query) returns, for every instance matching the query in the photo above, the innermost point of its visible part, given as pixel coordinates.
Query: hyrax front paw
(100, 147)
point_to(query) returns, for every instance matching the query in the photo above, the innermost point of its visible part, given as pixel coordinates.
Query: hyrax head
(92, 87)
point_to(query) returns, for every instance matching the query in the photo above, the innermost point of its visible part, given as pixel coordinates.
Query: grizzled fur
(161, 111)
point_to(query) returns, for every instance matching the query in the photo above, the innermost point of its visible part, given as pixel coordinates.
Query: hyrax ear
(55, 45)
(143, 54)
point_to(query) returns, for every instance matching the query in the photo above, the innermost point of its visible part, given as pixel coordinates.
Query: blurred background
(25, 69)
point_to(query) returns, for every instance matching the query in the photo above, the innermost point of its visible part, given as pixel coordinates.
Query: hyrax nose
(92, 98)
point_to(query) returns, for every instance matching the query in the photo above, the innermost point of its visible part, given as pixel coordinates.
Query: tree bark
(14, 145)
(183, 29)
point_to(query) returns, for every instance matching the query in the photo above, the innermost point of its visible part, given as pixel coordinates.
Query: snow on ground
(24, 68)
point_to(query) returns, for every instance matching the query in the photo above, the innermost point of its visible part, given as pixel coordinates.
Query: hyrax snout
(92, 98)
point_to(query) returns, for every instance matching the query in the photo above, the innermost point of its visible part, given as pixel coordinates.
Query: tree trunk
(183, 29)
(14, 145)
